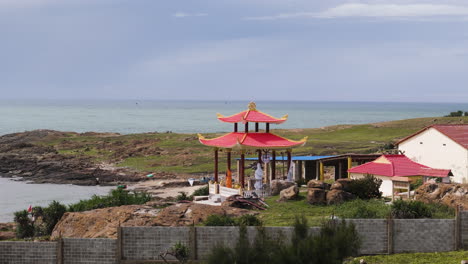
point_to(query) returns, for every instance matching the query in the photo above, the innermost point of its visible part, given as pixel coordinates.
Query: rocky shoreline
(25, 155)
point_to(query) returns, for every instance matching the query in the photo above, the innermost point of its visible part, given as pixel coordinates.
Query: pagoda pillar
(267, 128)
(273, 165)
(289, 160)
(246, 127)
(241, 169)
(256, 127)
(235, 127)
(216, 165)
(228, 169)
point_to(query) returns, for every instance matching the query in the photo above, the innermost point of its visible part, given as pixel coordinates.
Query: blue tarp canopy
(301, 158)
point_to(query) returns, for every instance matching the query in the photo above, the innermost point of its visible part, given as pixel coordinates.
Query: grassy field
(182, 153)
(454, 257)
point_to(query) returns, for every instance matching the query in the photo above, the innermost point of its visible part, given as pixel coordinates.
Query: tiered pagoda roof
(252, 140)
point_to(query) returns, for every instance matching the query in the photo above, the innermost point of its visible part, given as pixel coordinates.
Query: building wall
(28, 252)
(433, 153)
(385, 188)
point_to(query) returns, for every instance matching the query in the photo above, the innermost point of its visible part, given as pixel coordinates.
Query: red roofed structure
(398, 168)
(260, 142)
(456, 132)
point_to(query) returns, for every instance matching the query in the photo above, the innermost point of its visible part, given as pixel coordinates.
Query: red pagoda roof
(251, 140)
(398, 166)
(252, 115)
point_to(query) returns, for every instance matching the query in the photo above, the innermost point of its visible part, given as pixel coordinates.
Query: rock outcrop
(103, 223)
(316, 196)
(290, 193)
(323, 193)
(449, 194)
(277, 186)
(338, 196)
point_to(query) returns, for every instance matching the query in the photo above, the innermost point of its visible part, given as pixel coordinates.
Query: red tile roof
(397, 166)
(458, 133)
(252, 116)
(251, 140)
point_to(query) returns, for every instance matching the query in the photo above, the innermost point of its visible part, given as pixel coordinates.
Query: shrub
(219, 220)
(182, 197)
(455, 114)
(24, 224)
(363, 209)
(410, 209)
(248, 220)
(51, 215)
(202, 191)
(366, 188)
(414, 185)
(115, 197)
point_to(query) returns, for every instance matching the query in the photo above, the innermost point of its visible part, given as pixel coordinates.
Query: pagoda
(250, 141)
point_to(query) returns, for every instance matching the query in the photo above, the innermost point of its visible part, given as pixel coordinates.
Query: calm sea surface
(178, 116)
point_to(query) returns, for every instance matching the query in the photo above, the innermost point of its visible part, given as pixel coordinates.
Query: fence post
(193, 242)
(118, 250)
(60, 250)
(457, 228)
(389, 234)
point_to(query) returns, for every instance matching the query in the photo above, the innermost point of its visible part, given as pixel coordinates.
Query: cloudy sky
(331, 50)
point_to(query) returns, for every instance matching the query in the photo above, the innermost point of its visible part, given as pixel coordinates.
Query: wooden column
(273, 164)
(228, 161)
(235, 127)
(350, 164)
(241, 170)
(246, 127)
(216, 165)
(259, 156)
(289, 160)
(267, 129)
(256, 127)
(321, 171)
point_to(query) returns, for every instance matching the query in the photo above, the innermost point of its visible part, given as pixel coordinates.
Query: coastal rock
(290, 193)
(7, 231)
(277, 186)
(452, 195)
(316, 196)
(318, 184)
(341, 184)
(338, 196)
(103, 223)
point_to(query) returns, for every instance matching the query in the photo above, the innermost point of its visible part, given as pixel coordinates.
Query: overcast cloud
(235, 50)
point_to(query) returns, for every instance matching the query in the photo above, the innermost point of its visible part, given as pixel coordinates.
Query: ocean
(139, 116)
(135, 116)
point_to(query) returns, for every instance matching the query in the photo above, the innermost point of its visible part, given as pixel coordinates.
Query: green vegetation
(418, 209)
(224, 220)
(415, 258)
(116, 197)
(457, 114)
(366, 188)
(335, 242)
(182, 153)
(363, 209)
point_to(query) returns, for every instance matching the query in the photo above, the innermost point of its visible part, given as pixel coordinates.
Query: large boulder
(316, 196)
(318, 184)
(341, 184)
(338, 196)
(277, 186)
(450, 194)
(290, 193)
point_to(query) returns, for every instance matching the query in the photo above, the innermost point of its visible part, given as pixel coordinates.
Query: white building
(440, 146)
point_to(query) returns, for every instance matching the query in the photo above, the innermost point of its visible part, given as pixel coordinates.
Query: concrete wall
(85, 250)
(436, 150)
(374, 235)
(28, 252)
(464, 229)
(423, 235)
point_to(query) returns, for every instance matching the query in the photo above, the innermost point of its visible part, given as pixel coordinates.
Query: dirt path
(164, 188)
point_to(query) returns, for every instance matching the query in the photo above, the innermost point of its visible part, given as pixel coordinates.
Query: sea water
(18, 195)
(134, 116)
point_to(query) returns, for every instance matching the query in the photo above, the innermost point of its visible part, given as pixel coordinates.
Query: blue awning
(294, 158)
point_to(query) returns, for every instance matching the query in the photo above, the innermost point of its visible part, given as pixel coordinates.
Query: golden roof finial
(252, 106)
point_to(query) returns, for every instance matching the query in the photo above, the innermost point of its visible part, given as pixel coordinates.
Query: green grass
(453, 257)
(183, 153)
(284, 213)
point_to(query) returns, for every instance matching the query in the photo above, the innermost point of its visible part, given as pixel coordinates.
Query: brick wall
(85, 250)
(423, 235)
(464, 229)
(146, 243)
(28, 252)
(374, 235)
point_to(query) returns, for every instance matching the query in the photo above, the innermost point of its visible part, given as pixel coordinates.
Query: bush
(363, 209)
(414, 185)
(410, 209)
(24, 224)
(115, 197)
(336, 241)
(455, 114)
(51, 215)
(202, 191)
(248, 220)
(183, 197)
(219, 220)
(366, 188)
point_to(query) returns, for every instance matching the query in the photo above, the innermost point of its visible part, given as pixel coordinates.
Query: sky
(398, 50)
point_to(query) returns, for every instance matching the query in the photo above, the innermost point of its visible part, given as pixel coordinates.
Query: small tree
(52, 214)
(24, 224)
(366, 188)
